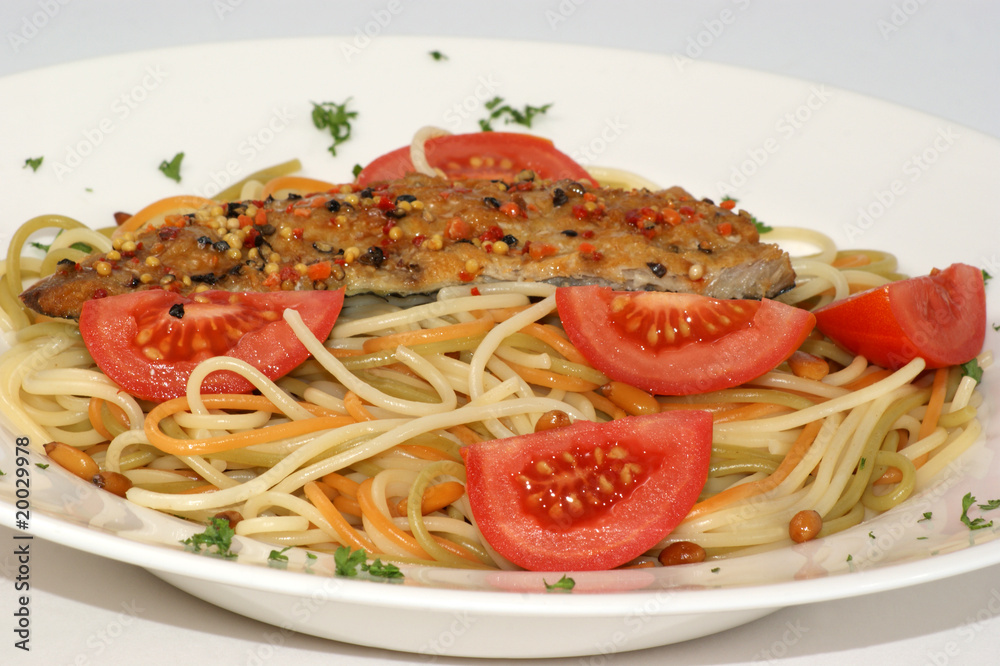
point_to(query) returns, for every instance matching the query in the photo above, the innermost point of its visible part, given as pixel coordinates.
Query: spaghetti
(359, 446)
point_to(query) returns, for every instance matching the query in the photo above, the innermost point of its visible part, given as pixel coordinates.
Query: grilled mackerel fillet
(419, 234)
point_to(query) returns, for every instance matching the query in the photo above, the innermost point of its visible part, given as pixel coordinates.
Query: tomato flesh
(483, 156)
(588, 496)
(149, 342)
(939, 317)
(576, 486)
(680, 344)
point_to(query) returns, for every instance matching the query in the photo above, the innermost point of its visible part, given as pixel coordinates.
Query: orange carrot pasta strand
(325, 420)
(731, 495)
(425, 335)
(346, 534)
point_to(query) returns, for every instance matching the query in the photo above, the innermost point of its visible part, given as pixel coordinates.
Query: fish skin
(560, 232)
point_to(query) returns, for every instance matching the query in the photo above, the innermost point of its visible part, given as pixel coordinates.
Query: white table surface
(940, 58)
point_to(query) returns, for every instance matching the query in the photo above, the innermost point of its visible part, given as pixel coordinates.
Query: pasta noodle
(359, 446)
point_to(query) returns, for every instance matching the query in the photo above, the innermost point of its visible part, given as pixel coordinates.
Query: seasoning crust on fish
(419, 234)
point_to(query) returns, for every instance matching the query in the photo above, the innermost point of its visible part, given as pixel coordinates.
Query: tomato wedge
(940, 317)
(589, 495)
(483, 155)
(150, 341)
(679, 344)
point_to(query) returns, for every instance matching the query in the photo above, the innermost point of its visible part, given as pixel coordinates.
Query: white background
(940, 58)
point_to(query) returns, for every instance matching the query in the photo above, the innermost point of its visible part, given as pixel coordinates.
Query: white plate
(795, 153)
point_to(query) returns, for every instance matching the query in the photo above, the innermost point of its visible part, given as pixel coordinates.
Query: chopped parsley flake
(348, 562)
(509, 114)
(437, 55)
(380, 570)
(996, 327)
(716, 569)
(357, 170)
(311, 556)
(42, 465)
(980, 522)
(761, 227)
(871, 535)
(172, 169)
(921, 538)
(278, 559)
(564, 584)
(218, 535)
(927, 516)
(972, 369)
(986, 276)
(729, 198)
(33, 162)
(336, 118)
(850, 558)
(861, 464)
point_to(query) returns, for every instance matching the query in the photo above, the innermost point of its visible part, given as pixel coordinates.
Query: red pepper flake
(99, 293)
(686, 210)
(465, 276)
(168, 233)
(728, 204)
(586, 248)
(488, 248)
(475, 291)
(245, 220)
(301, 212)
(340, 262)
(419, 239)
(511, 209)
(387, 227)
(724, 229)
(541, 250)
(494, 233)
(297, 233)
(250, 238)
(671, 217)
(287, 273)
(290, 208)
(640, 218)
(589, 196)
(260, 219)
(319, 271)
(579, 212)
(272, 280)
(458, 229)
(385, 204)
(587, 233)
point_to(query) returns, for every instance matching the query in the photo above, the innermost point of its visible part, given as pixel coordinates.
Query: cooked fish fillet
(419, 234)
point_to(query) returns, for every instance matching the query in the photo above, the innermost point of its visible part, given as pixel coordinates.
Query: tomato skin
(940, 317)
(733, 357)
(110, 326)
(452, 153)
(680, 441)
